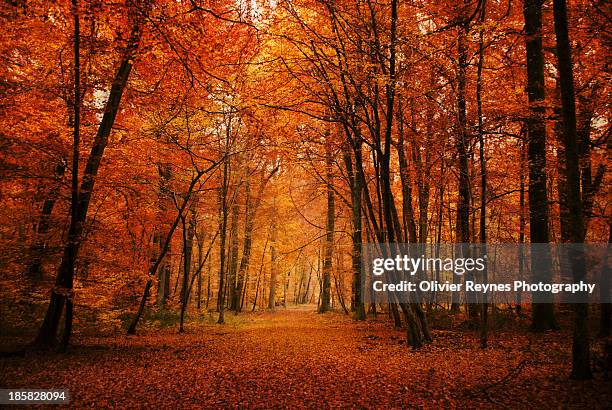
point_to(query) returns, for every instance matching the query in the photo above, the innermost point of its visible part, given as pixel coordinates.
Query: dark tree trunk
(74, 200)
(581, 355)
(163, 274)
(521, 253)
(543, 316)
(605, 319)
(462, 226)
(200, 241)
(483, 181)
(356, 194)
(234, 293)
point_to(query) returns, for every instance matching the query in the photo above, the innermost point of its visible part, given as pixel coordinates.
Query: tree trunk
(200, 240)
(74, 200)
(356, 194)
(188, 233)
(581, 354)
(329, 238)
(273, 264)
(521, 253)
(223, 232)
(543, 316)
(462, 226)
(483, 181)
(234, 292)
(163, 275)
(605, 320)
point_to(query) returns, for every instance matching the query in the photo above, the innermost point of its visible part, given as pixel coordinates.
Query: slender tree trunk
(410, 232)
(261, 266)
(273, 262)
(463, 201)
(483, 180)
(246, 246)
(329, 238)
(163, 273)
(188, 233)
(200, 239)
(521, 253)
(234, 292)
(223, 232)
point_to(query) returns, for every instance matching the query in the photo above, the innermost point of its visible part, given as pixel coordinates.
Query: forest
(188, 190)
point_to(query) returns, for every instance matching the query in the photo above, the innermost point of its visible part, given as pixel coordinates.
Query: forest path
(297, 358)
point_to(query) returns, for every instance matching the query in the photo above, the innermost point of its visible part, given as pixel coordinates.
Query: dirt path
(296, 358)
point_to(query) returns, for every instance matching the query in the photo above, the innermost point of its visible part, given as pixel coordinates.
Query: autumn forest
(188, 188)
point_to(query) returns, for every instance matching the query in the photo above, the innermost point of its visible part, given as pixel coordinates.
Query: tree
(61, 294)
(581, 363)
(543, 316)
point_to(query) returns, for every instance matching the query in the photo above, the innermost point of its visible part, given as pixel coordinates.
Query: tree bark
(462, 226)
(188, 233)
(223, 232)
(356, 196)
(273, 262)
(484, 323)
(234, 292)
(543, 316)
(581, 353)
(329, 237)
(163, 282)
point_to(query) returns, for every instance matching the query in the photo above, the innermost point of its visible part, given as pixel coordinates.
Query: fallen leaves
(296, 358)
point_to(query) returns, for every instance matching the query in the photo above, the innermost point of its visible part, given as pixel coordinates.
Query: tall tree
(543, 316)
(483, 175)
(462, 226)
(581, 356)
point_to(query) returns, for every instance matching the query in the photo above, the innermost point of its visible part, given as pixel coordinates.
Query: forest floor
(297, 358)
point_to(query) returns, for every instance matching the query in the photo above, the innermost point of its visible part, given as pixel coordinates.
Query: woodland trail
(297, 358)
